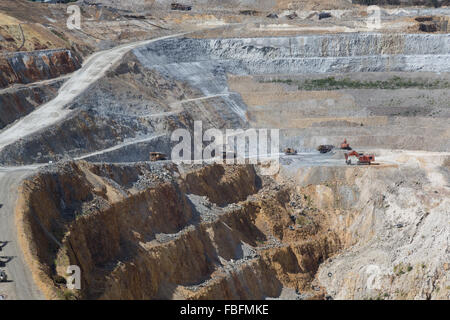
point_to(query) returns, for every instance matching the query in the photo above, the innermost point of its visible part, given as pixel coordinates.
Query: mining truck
(229, 155)
(290, 152)
(361, 158)
(3, 276)
(157, 156)
(325, 148)
(324, 15)
(181, 7)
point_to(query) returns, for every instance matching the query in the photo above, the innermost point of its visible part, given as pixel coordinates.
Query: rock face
(28, 67)
(402, 118)
(353, 52)
(160, 231)
(139, 233)
(436, 3)
(192, 80)
(143, 106)
(18, 102)
(220, 4)
(392, 221)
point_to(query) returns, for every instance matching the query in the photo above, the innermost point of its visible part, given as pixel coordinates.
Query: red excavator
(361, 158)
(345, 145)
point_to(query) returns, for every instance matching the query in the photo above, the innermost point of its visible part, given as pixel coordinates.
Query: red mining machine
(361, 158)
(345, 145)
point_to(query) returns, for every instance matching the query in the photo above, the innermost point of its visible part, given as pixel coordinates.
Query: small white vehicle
(3, 276)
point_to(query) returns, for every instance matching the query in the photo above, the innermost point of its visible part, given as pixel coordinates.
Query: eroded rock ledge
(157, 231)
(162, 231)
(28, 67)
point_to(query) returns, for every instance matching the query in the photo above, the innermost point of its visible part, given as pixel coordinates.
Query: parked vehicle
(3, 276)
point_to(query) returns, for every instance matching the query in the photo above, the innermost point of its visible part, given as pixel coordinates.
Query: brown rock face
(28, 67)
(214, 232)
(18, 102)
(436, 24)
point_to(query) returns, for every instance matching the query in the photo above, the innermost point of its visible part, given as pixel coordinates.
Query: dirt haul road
(20, 283)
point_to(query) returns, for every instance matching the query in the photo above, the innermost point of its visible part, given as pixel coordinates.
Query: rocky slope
(157, 231)
(19, 101)
(160, 231)
(143, 105)
(364, 111)
(395, 224)
(363, 52)
(317, 230)
(226, 4)
(38, 65)
(196, 70)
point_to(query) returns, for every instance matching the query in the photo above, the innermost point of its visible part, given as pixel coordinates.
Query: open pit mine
(95, 202)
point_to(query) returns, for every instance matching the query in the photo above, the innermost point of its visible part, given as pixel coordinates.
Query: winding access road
(20, 285)
(55, 110)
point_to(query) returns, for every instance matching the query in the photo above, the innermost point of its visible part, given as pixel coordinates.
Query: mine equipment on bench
(292, 16)
(229, 155)
(362, 158)
(249, 12)
(324, 15)
(325, 148)
(345, 145)
(290, 152)
(157, 156)
(181, 7)
(3, 276)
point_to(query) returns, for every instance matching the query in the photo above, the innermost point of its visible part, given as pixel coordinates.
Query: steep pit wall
(155, 231)
(139, 233)
(204, 63)
(84, 132)
(28, 67)
(132, 108)
(391, 220)
(353, 52)
(171, 83)
(18, 102)
(226, 186)
(100, 223)
(411, 118)
(436, 4)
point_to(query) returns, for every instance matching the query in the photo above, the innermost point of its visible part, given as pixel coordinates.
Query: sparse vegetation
(69, 295)
(302, 220)
(331, 83)
(401, 268)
